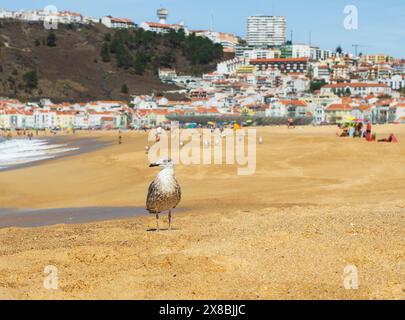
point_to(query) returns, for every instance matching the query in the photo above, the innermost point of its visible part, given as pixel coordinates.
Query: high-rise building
(264, 31)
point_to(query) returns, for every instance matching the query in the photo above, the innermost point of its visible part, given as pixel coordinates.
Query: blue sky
(381, 23)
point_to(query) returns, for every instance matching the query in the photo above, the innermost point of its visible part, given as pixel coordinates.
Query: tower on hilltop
(162, 14)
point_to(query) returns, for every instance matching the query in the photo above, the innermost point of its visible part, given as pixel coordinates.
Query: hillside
(93, 62)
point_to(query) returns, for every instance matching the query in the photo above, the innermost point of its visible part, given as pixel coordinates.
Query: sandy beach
(316, 204)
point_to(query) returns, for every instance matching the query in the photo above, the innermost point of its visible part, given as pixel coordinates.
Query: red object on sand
(394, 139)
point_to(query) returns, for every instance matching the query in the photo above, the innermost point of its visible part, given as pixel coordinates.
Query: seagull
(164, 192)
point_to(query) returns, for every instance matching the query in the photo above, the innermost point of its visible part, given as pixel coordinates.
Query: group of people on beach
(361, 130)
(7, 134)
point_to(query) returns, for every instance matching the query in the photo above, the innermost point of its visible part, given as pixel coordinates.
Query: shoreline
(34, 218)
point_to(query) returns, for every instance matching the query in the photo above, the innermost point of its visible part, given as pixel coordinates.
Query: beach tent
(192, 125)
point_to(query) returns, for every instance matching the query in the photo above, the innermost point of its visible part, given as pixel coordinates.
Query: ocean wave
(22, 151)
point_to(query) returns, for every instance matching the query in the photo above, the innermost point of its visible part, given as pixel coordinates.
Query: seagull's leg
(170, 220)
(157, 222)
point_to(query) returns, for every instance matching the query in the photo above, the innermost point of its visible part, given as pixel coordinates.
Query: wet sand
(48, 217)
(316, 204)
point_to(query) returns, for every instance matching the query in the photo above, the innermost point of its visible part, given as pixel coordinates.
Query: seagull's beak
(153, 165)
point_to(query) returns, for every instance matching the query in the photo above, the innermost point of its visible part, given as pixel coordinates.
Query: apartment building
(264, 31)
(293, 65)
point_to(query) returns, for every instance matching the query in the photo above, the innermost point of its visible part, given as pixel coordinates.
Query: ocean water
(21, 151)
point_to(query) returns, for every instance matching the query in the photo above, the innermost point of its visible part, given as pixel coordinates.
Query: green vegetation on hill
(141, 50)
(316, 85)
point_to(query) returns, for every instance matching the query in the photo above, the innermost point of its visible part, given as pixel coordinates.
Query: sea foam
(21, 151)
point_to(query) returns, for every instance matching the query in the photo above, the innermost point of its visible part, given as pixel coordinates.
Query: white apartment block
(263, 31)
(307, 51)
(301, 51)
(261, 54)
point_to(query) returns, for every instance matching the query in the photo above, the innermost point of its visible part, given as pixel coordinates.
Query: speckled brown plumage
(163, 196)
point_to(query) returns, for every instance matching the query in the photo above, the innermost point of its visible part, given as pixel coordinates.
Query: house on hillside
(337, 112)
(117, 23)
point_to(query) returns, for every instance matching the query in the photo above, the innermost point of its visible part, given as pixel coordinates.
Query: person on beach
(368, 132)
(290, 123)
(343, 130)
(351, 131)
(362, 130)
(357, 132)
(120, 139)
(391, 139)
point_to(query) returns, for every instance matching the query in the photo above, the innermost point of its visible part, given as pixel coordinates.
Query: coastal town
(268, 76)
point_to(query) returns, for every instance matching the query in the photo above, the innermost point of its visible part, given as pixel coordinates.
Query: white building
(261, 54)
(263, 31)
(321, 72)
(117, 23)
(301, 51)
(229, 66)
(63, 17)
(320, 54)
(319, 114)
(213, 76)
(361, 89)
(229, 41)
(166, 74)
(5, 14)
(311, 52)
(67, 17)
(44, 119)
(397, 113)
(396, 82)
(163, 27)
